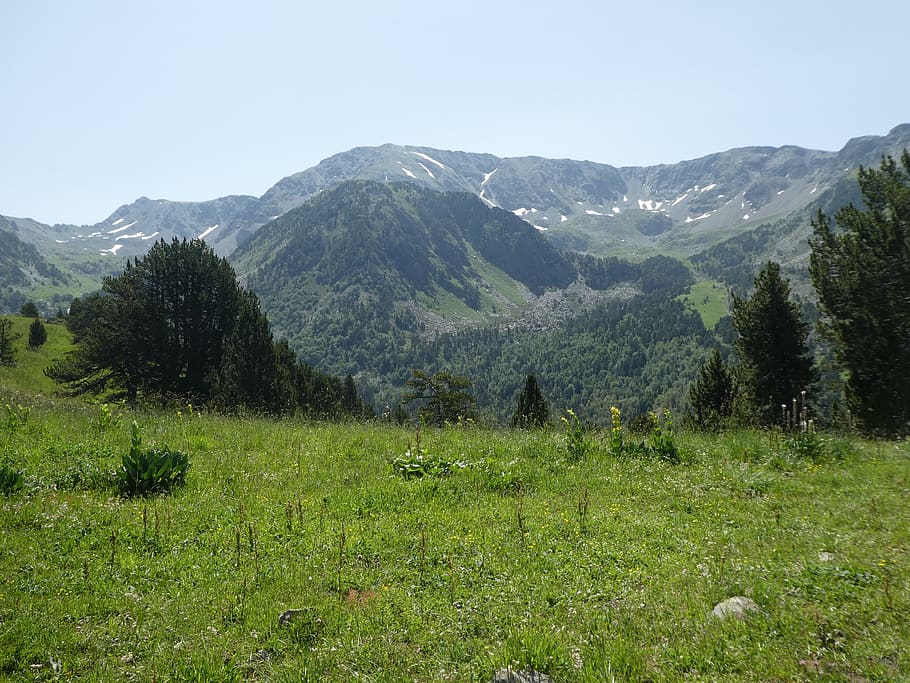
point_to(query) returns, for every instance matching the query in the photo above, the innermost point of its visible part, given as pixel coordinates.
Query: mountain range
(679, 208)
(380, 259)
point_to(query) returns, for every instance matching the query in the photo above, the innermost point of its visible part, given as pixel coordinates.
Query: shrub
(147, 472)
(11, 480)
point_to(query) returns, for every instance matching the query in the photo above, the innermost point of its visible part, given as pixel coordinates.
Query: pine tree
(447, 397)
(29, 310)
(771, 346)
(860, 267)
(711, 396)
(37, 334)
(7, 353)
(532, 409)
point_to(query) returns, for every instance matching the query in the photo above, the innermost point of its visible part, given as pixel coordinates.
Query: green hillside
(28, 373)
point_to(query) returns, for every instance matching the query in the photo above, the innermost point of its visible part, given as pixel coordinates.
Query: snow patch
(780, 192)
(430, 159)
(521, 212)
(153, 235)
(485, 200)
(206, 232)
(708, 187)
(408, 173)
(615, 209)
(113, 250)
(118, 221)
(61, 241)
(125, 227)
(541, 228)
(746, 217)
(487, 176)
(562, 219)
(679, 199)
(813, 190)
(129, 237)
(625, 198)
(429, 172)
(649, 205)
(591, 212)
(698, 218)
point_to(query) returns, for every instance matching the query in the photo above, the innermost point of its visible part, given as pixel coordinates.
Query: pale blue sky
(103, 102)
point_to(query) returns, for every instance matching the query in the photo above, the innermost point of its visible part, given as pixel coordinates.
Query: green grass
(584, 569)
(28, 374)
(500, 281)
(709, 299)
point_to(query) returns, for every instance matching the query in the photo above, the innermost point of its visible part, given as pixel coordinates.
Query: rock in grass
(509, 675)
(737, 607)
(290, 616)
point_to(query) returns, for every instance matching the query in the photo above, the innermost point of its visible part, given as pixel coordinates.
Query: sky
(103, 102)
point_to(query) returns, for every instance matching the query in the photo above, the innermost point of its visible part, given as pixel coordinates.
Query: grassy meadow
(592, 568)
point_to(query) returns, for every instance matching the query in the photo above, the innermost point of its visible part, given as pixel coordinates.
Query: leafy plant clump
(417, 464)
(152, 471)
(11, 480)
(576, 444)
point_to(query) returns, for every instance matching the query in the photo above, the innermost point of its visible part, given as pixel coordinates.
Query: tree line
(860, 269)
(176, 325)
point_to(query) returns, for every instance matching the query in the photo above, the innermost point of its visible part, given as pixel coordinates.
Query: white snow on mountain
(615, 209)
(430, 159)
(708, 187)
(119, 220)
(649, 205)
(591, 212)
(152, 236)
(113, 250)
(429, 172)
(679, 199)
(121, 229)
(408, 173)
(207, 232)
(521, 212)
(487, 176)
(485, 200)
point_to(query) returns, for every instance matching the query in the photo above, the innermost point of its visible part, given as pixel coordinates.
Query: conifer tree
(711, 396)
(532, 409)
(7, 353)
(37, 334)
(860, 267)
(771, 344)
(29, 310)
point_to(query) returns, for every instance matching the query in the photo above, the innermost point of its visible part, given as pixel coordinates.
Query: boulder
(737, 607)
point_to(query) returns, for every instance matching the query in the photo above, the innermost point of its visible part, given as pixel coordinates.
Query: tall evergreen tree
(29, 309)
(771, 345)
(7, 353)
(532, 410)
(860, 267)
(37, 334)
(711, 396)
